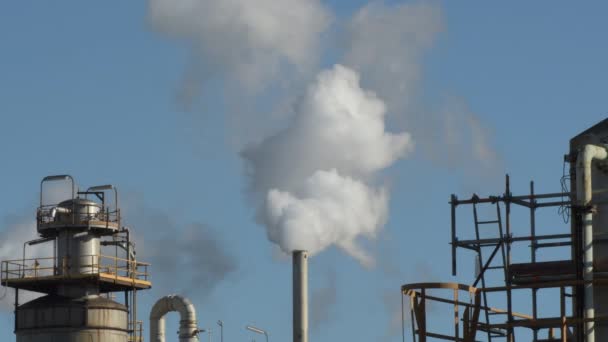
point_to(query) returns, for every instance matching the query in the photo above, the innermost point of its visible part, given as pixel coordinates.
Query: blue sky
(89, 90)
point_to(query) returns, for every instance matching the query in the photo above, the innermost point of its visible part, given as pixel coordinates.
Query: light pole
(257, 331)
(221, 324)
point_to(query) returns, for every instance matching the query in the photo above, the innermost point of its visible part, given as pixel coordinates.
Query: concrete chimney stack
(300, 296)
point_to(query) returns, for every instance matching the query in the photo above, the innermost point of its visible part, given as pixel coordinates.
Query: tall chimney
(300, 296)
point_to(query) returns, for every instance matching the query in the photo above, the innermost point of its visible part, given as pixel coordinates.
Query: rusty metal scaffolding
(476, 318)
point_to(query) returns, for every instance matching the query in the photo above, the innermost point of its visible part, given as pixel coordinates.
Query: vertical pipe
(584, 195)
(221, 324)
(16, 309)
(128, 312)
(134, 308)
(300, 296)
(55, 256)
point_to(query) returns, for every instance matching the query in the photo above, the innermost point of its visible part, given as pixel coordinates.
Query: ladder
(484, 265)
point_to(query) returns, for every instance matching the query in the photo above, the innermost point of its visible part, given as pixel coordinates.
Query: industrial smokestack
(300, 296)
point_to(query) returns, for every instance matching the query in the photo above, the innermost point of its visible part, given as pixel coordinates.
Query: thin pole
(453, 203)
(510, 336)
(402, 319)
(412, 317)
(23, 261)
(533, 252)
(221, 324)
(16, 308)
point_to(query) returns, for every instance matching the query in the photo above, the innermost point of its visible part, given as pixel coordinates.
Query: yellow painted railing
(86, 264)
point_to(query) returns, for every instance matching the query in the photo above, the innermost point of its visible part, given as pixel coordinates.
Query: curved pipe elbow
(586, 156)
(188, 329)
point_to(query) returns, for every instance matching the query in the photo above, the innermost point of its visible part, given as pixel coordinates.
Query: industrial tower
(80, 282)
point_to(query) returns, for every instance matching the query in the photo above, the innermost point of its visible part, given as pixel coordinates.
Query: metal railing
(86, 264)
(466, 306)
(45, 215)
(136, 331)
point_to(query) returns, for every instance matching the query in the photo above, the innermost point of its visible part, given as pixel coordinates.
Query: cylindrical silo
(56, 318)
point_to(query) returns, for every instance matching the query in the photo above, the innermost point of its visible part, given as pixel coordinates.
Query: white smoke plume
(16, 230)
(316, 176)
(250, 43)
(386, 43)
(315, 182)
(12, 238)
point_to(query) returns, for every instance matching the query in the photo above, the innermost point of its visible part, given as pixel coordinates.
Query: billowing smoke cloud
(192, 258)
(316, 176)
(316, 182)
(250, 43)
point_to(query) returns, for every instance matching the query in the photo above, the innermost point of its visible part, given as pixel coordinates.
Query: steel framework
(478, 318)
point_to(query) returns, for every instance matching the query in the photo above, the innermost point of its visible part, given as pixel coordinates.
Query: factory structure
(92, 278)
(517, 293)
(531, 282)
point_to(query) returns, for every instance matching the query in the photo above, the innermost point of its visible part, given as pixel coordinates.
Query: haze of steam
(22, 229)
(315, 177)
(247, 42)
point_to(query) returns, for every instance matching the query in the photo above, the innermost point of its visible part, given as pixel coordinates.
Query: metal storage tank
(72, 243)
(55, 318)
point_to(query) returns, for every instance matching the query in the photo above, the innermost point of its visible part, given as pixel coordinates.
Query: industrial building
(573, 282)
(83, 287)
(92, 278)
